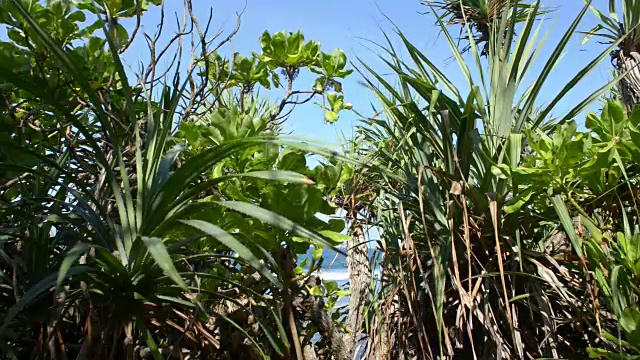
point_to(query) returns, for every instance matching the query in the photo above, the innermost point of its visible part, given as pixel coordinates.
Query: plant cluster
(506, 232)
(166, 218)
(160, 217)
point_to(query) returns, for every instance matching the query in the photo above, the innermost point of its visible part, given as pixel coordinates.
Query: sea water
(334, 265)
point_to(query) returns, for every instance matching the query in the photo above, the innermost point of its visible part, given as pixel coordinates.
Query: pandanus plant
(463, 274)
(621, 26)
(90, 263)
(481, 16)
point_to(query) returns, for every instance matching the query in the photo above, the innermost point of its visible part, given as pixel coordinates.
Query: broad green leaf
(335, 236)
(316, 291)
(316, 254)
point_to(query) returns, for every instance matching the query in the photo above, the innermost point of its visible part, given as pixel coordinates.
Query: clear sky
(348, 24)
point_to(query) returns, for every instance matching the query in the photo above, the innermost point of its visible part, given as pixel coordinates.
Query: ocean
(334, 266)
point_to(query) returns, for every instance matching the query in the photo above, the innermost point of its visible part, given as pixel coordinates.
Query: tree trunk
(630, 85)
(359, 284)
(309, 353)
(314, 307)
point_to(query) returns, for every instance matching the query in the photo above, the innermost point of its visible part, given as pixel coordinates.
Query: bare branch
(135, 29)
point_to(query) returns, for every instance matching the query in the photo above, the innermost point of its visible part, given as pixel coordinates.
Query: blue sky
(348, 24)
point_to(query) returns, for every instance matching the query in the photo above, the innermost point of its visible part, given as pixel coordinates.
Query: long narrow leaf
(236, 246)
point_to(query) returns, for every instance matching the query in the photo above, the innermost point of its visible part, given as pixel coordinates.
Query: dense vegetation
(167, 216)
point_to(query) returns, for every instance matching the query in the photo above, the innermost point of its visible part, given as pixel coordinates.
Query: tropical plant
(621, 25)
(482, 17)
(456, 261)
(149, 220)
(587, 178)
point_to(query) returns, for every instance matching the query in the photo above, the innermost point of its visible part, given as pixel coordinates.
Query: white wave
(334, 275)
(340, 275)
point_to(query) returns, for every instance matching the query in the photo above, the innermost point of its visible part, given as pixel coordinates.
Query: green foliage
(140, 217)
(286, 53)
(158, 218)
(595, 171)
(286, 50)
(330, 292)
(618, 23)
(584, 164)
(619, 26)
(483, 17)
(472, 196)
